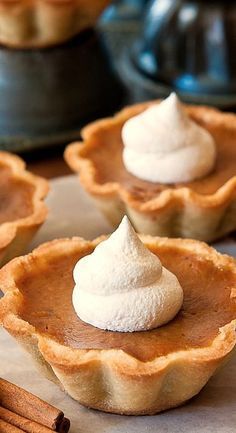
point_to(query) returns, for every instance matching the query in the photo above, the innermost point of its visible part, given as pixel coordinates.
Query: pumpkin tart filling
(47, 290)
(106, 150)
(15, 196)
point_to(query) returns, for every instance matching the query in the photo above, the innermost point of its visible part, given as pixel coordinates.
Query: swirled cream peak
(122, 286)
(162, 144)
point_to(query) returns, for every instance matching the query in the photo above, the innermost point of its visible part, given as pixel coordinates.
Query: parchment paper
(212, 411)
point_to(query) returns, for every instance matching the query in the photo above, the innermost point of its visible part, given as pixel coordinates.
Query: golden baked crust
(113, 380)
(40, 23)
(204, 210)
(17, 227)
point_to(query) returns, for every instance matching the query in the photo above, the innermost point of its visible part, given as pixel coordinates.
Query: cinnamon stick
(29, 406)
(65, 426)
(5, 427)
(22, 423)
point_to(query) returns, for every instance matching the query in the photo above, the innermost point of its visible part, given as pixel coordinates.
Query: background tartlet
(204, 209)
(22, 209)
(40, 23)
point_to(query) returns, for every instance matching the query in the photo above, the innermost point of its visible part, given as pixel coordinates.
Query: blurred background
(137, 50)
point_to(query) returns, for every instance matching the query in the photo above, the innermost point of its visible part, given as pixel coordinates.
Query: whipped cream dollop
(122, 286)
(162, 144)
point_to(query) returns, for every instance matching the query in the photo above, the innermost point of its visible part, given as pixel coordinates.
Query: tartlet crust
(41, 23)
(16, 234)
(113, 380)
(174, 212)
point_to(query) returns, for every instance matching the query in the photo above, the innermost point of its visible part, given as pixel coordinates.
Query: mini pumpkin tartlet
(40, 23)
(22, 210)
(127, 373)
(204, 209)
